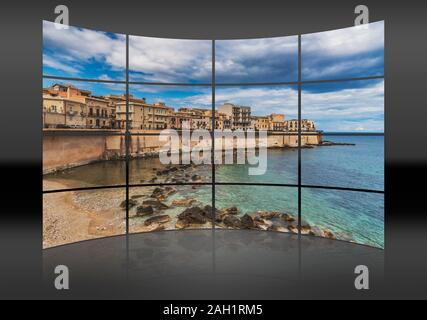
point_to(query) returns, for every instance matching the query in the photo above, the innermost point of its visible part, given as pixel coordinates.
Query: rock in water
(328, 234)
(144, 210)
(132, 203)
(231, 210)
(155, 204)
(182, 202)
(316, 231)
(247, 222)
(191, 216)
(232, 221)
(157, 219)
(208, 212)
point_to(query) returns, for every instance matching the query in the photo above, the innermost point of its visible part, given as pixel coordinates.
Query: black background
(405, 106)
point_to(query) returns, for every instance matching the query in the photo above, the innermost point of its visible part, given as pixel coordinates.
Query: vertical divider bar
(213, 80)
(299, 135)
(127, 135)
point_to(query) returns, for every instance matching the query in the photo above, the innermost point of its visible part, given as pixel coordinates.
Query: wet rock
(157, 192)
(329, 234)
(232, 221)
(316, 231)
(208, 212)
(155, 204)
(144, 210)
(191, 216)
(196, 177)
(247, 222)
(157, 219)
(131, 204)
(287, 217)
(267, 215)
(232, 210)
(293, 228)
(162, 194)
(182, 202)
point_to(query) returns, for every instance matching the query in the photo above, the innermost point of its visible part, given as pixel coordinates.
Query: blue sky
(257, 60)
(344, 53)
(175, 96)
(170, 60)
(83, 53)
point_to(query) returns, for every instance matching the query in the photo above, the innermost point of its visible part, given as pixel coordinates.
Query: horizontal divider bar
(216, 84)
(215, 184)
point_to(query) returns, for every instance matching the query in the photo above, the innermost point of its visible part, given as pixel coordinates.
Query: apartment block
(240, 116)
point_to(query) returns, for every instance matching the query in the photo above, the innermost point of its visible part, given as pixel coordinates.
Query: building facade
(240, 116)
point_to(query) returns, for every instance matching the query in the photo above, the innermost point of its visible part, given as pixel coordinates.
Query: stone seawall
(63, 149)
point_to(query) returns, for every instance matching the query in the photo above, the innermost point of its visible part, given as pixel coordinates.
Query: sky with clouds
(83, 53)
(343, 53)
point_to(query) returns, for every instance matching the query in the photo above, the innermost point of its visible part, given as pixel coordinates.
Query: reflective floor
(202, 264)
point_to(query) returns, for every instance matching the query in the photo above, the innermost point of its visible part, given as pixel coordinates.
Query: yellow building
(158, 116)
(79, 108)
(137, 112)
(60, 112)
(261, 122)
(306, 125)
(277, 122)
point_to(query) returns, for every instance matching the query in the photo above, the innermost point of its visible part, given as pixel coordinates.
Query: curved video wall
(282, 134)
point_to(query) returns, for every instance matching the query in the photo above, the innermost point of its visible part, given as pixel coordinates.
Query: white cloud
(346, 41)
(235, 58)
(170, 60)
(56, 64)
(354, 109)
(76, 45)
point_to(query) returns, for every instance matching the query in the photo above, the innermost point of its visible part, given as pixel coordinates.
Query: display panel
(83, 53)
(345, 215)
(264, 208)
(257, 60)
(170, 60)
(112, 136)
(83, 145)
(344, 53)
(72, 216)
(266, 146)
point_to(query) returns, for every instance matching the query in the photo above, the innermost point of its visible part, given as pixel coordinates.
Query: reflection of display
(338, 125)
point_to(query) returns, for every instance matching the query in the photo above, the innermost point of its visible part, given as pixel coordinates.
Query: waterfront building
(240, 115)
(77, 108)
(260, 122)
(277, 122)
(137, 112)
(306, 125)
(158, 116)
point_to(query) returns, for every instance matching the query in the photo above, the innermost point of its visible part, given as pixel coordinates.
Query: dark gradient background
(405, 105)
